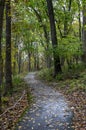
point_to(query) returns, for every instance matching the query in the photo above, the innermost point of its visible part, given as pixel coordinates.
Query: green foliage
(73, 73)
(5, 99)
(69, 47)
(77, 85)
(29, 96)
(19, 84)
(33, 23)
(46, 74)
(59, 77)
(73, 84)
(17, 80)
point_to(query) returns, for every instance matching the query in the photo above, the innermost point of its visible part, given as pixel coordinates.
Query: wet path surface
(49, 111)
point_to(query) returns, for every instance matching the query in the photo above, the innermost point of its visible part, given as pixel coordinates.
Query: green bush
(17, 80)
(18, 83)
(5, 99)
(46, 74)
(59, 77)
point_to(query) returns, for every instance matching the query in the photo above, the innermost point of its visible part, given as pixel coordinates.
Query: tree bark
(66, 29)
(84, 33)
(19, 62)
(57, 66)
(29, 61)
(79, 19)
(8, 76)
(36, 59)
(2, 4)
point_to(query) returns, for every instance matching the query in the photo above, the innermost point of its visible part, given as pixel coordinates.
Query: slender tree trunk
(79, 27)
(29, 61)
(84, 33)
(46, 35)
(8, 76)
(70, 3)
(2, 3)
(66, 29)
(19, 62)
(37, 58)
(35, 61)
(48, 61)
(15, 57)
(79, 19)
(65, 25)
(57, 66)
(37, 66)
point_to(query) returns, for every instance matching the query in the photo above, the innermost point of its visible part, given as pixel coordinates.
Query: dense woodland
(35, 35)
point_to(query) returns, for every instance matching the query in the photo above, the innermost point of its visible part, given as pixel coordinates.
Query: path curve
(49, 111)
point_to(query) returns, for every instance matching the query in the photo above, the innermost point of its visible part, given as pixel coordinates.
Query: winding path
(49, 111)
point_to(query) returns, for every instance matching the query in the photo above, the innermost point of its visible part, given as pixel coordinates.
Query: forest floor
(13, 106)
(49, 111)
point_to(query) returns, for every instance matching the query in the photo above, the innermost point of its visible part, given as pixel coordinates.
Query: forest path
(49, 111)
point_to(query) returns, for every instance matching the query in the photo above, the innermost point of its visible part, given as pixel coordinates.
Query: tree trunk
(48, 61)
(15, 63)
(57, 66)
(79, 19)
(8, 76)
(19, 62)
(29, 61)
(66, 29)
(35, 63)
(37, 57)
(84, 33)
(2, 3)
(37, 66)
(46, 35)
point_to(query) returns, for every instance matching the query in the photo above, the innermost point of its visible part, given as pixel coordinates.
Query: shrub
(46, 74)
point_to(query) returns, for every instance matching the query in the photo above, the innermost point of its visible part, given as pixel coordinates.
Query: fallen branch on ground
(12, 114)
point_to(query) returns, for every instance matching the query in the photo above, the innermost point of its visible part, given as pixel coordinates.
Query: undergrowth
(72, 80)
(19, 85)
